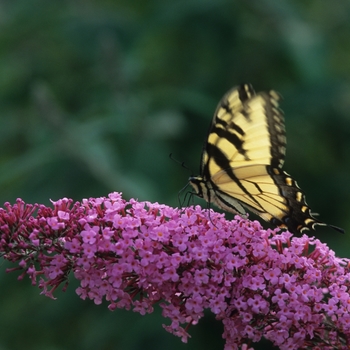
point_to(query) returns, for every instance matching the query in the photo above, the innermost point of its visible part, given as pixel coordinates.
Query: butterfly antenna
(181, 163)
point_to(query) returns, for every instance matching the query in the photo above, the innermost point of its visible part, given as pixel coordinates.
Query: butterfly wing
(242, 162)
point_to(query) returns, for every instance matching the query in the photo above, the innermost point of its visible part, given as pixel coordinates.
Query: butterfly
(242, 159)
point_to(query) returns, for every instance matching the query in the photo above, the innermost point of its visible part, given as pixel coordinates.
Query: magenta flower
(259, 283)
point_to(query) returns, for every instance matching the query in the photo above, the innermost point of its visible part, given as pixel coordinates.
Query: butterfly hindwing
(242, 161)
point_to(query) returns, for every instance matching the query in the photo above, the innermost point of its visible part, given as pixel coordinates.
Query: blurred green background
(95, 95)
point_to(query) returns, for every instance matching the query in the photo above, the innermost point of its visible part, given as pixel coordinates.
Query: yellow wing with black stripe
(242, 162)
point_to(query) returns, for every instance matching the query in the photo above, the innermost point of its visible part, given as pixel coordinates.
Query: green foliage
(95, 95)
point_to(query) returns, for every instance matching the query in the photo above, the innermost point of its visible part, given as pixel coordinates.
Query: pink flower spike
(259, 283)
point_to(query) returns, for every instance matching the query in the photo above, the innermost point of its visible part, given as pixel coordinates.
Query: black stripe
(224, 163)
(245, 92)
(225, 105)
(232, 125)
(232, 138)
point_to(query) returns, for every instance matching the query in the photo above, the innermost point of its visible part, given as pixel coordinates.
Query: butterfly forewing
(242, 160)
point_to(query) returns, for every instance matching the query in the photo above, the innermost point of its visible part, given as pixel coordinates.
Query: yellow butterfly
(242, 161)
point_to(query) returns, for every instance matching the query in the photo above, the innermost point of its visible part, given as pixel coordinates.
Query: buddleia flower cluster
(259, 283)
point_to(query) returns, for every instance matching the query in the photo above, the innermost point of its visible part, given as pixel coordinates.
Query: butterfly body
(242, 159)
